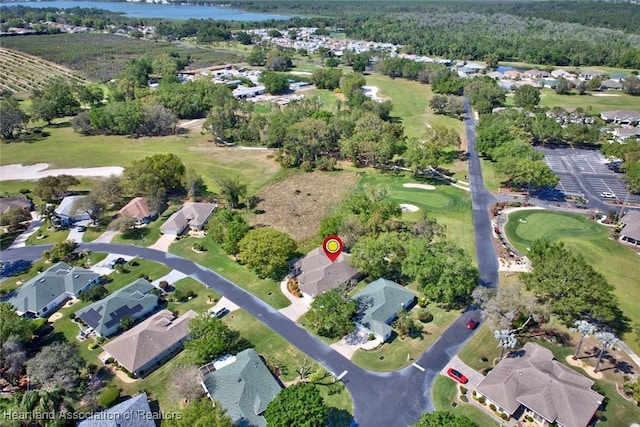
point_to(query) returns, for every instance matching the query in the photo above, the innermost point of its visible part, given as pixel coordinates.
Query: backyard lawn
(215, 259)
(616, 262)
(47, 236)
(449, 205)
(445, 391)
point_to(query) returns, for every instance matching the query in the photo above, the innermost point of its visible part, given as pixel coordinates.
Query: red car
(472, 324)
(457, 375)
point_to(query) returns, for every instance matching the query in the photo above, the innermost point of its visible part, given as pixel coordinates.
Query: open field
(218, 261)
(411, 104)
(298, 202)
(64, 148)
(449, 205)
(445, 391)
(596, 104)
(102, 56)
(20, 72)
(397, 353)
(616, 262)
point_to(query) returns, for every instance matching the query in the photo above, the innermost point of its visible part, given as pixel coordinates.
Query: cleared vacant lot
(297, 203)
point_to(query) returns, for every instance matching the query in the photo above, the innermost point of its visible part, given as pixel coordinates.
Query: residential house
(42, 295)
(530, 382)
(134, 300)
(630, 232)
(138, 209)
(133, 412)
(378, 305)
(193, 216)
(625, 133)
(317, 274)
(628, 117)
(610, 84)
(244, 388)
(562, 73)
(513, 74)
(588, 75)
(66, 213)
(21, 201)
(147, 345)
(496, 75)
(537, 74)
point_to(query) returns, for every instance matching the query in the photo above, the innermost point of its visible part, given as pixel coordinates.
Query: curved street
(380, 399)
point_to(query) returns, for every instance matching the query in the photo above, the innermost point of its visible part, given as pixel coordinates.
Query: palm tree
(584, 328)
(607, 340)
(506, 339)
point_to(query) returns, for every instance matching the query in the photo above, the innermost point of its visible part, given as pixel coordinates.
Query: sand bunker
(372, 93)
(39, 170)
(420, 186)
(406, 207)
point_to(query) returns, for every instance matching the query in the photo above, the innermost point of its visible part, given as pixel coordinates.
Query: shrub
(108, 396)
(482, 400)
(72, 316)
(528, 418)
(93, 346)
(422, 302)
(504, 416)
(197, 246)
(492, 407)
(371, 336)
(163, 285)
(464, 398)
(425, 316)
(463, 389)
(109, 361)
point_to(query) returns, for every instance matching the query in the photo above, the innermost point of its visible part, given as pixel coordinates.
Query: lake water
(166, 11)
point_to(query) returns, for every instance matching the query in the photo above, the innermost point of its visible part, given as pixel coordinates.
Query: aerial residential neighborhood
(319, 214)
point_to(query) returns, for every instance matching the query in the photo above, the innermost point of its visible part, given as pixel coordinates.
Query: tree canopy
(160, 173)
(300, 405)
(332, 313)
(201, 413)
(58, 365)
(268, 251)
(210, 337)
(54, 187)
(12, 119)
(444, 419)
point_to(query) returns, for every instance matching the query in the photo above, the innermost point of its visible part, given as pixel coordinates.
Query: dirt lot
(298, 203)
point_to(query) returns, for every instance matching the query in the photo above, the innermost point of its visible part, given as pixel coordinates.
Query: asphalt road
(380, 399)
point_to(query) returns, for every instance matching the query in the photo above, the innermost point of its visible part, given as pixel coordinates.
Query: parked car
(220, 312)
(82, 228)
(457, 375)
(472, 323)
(116, 261)
(608, 195)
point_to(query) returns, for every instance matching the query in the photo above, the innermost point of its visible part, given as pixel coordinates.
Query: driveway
(106, 237)
(21, 240)
(172, 277)
(75, 235)
(164, 242)
(474, 376)
(298, 306)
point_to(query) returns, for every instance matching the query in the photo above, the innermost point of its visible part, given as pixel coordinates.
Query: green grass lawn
(47, 236)
(618, 263)
(489, 175)
(481, 350)
(205, 297)
(147, 235)
(612, 101)
(411, 104)
(64, 148)
(215, 259)
(92, 233)
(449, 205)
(445, 391)
(397, 353)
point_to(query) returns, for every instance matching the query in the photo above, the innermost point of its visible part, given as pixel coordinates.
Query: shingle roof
(631, 222)
(21, 201)
(133, 300)
(378, 302)
(191, 214)
(134, 412)
(531, 377)
(49, 285)
(149, 339)
(65, 208)
(244, 388)
(621, 115)
(317, 274)
(137, 208)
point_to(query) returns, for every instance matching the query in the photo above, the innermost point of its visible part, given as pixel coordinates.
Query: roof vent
(76, 276)
(42, 280)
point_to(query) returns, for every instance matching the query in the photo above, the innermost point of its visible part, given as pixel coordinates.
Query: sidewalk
(34, 225)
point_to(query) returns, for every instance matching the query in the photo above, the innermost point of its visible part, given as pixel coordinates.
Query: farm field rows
(20, 72)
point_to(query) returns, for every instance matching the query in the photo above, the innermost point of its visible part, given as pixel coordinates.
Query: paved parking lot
(585, 173)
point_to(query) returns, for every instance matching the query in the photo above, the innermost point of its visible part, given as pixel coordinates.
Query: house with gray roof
(630, 232)
(21, 201)
(244, 388)
(379, 304)
(629, 117)
(138, 209)
(45, 293)
(66, 213)
(317, 274)
(192, 216)
(152, 342)
(610, 84)
(133, 412)
(531, 381)
(134, 300)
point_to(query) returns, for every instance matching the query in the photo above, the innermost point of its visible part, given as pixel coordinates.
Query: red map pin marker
(332, 247)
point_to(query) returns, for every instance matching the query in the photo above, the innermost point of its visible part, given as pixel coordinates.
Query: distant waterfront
(166, 11)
